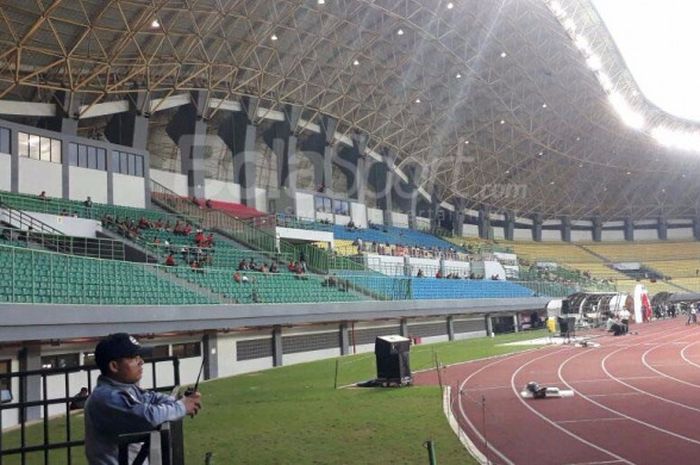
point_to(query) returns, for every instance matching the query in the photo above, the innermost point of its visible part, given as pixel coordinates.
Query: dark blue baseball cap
(116, 346)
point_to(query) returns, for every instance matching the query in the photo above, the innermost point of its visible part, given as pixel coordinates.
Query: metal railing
(40, 414)
(70, 245)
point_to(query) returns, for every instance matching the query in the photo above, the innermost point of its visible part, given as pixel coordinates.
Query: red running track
(636, 401)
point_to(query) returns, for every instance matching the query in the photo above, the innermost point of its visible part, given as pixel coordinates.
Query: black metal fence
(43, 435)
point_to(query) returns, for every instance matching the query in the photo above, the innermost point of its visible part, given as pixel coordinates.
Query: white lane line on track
(554, 424)
(616, 412)
(684, 357)
(585, 420)
(606, 462)
(665, 375)
(616, 394)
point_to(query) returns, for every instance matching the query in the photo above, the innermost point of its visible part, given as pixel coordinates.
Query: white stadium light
(605, 81)
(629, 116)
(676, 139)
(594, 62)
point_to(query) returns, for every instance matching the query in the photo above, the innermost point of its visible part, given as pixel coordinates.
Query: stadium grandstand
(254, 184)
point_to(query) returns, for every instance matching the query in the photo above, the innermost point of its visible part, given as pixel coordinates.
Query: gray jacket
(115, 408)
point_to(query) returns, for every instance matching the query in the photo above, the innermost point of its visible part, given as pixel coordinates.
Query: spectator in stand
(291, 266)
(78, 400)
(170, 260)
(195, 201)
(209, 240)
(187, 230)
(43, 196)
(420, 273)
(199, 238)
(88, 202)
(196, 266)
(438, 275)
(321, 188)
(302, 261)
(237, 277)
(273, 267)
(208, 204)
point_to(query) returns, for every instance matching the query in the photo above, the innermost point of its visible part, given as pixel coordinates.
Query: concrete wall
(129, 191)
(36, 176)
(86, 182)
(222, 190)
(5, 166)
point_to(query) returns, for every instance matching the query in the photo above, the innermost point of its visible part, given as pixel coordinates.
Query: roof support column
(597, 229)
(30, 387)
(566, 229)
(385, 187)
(662, 228)
(188, 129)
(537, 227)
(484, 223)
(239, 134)
(509, 226)
(282, 139)
(629, 229)
(458, 221)
(434, 211)
(131, 128)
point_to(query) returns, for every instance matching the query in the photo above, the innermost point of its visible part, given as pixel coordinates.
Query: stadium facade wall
(5, 167)
(521, 234)
(612, 235)
(222, 190)
(174, 181)
(581, 236)
(36, 176)
(129, 191)
(679, 233)
(88, 182)
(375, 215)
(646, 234)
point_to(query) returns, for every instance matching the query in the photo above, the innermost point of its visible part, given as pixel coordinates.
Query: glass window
(34, 146)
(60, 361)
(56, 151)
(73, 154)
(92, 157)
(89, 358)
(123, 163)
(5, 140)
(23, 143)
(5, 366)
(327, 205)
(45, 149)
(189, 349)
(132, 164)
(318, 204)
(82, 156)
(102, 159)
(158, 352)
(115, 162)
(139, 166)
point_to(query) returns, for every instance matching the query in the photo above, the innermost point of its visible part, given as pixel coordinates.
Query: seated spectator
(196, 266)
(170, 260)
(420, 273)
(237, 277)
(195, 201)
(64, 212)
(199, 238)
(43, 196)
(78, 400)
(330, 281)
(438, 275)
(208, 204)
(291, 266)
(88, 202)
(273, 267)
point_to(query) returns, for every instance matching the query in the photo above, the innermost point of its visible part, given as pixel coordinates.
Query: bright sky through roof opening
(658, 40)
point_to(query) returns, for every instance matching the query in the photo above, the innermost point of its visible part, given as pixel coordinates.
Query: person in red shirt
(170, 260)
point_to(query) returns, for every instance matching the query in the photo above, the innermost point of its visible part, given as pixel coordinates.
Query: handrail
(70, 245)
(28, 221)
(252, 236)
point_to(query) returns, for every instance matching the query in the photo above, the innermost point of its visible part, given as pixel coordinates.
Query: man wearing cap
(118, 405)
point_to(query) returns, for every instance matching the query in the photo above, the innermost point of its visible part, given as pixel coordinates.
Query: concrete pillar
(67, 112)
(282, 139)
(434, 210)
(509, 226)
(458, 218)
(484, 223)
(404, 327)
(537, 228)
(516, 323)
(566, 229)
(328, 126)
(489, 325)
(385, 187)
(210, 355)
(696, 228)
(451, 327)
(188, 129)
(629, 229)
(30, 388)
(14, 161)
(277, 351)
(131, 128)
(597, 229)
(662, 228)
(407, 268)
(344, 338)
(239, 134)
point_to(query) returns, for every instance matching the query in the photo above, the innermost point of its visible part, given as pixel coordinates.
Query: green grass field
(293, 414)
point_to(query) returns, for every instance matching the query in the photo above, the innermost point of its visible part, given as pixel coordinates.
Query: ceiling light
(321, 2)
(551, 182)
(540, 154)
(466, 142)
(594, 62)
(503, 122)
(544, 105)
(578, 138)
(504, 54)
(417, 100)
(155, 24)
(507, 171)
(569, 25)
(399, 32)
(356, 63)
(273, 37)
(635, 93)
(629, 172)
(605, 81)
(458, 76)
(450, 5)
(663, 190)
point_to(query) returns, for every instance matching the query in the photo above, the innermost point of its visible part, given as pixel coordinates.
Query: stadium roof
(498, 100)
